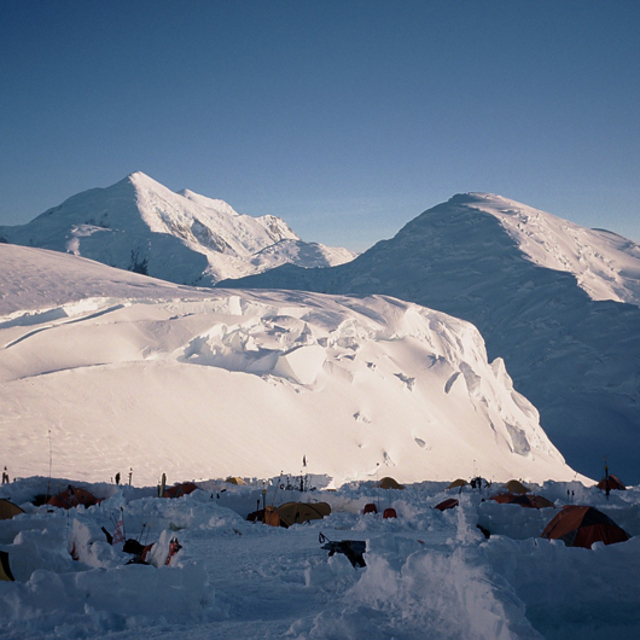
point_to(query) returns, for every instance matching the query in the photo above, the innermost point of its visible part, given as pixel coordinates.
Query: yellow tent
(457, 483)
(295, 513)
(271, 517)
(389, 483)
(235, 480)
(515, 486)
(8, 510)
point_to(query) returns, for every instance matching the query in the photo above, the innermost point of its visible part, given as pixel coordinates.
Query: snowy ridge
(605, 264)
(140, 225)
(251, 382)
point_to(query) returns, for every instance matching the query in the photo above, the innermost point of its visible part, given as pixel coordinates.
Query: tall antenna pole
(50, 465)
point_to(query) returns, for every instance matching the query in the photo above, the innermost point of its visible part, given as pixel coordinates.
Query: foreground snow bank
(82, 604)
(429, 574)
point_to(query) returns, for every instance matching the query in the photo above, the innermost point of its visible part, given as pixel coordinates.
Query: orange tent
(236, 480)
(515, 486)
(300, 512)
(294, 513)
(528, 500)
(582, 526)
(389, 483)
(457, 483)
(73, 497)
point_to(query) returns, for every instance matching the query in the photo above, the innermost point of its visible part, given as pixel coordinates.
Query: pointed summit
(140, 176)
(140, 225)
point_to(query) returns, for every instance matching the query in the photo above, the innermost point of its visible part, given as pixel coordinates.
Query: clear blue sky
(346, 118)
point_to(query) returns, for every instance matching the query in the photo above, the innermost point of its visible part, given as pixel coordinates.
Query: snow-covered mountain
(557, 301)
(140, 225)
(102, 370)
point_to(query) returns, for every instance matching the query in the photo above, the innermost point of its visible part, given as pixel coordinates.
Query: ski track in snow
(91, 316)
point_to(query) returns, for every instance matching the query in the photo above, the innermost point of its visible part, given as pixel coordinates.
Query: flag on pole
(118, 534)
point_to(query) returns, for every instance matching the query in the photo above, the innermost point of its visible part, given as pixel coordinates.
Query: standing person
(5, 476)
(163, 485)
(118, 478)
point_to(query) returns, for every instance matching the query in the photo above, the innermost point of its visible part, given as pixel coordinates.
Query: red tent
(527, 500)
(179, 490)
(582, 526)
(449, 503)
(72, 497)
(611, 482)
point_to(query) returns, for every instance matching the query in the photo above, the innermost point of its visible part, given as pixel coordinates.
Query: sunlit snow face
(361, 382)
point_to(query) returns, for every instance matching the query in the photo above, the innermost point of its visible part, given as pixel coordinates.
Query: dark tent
(179, 490)
(449, 503)
(72, 498)
(528, 500)
(582, 526)
(5, 569)
(611, 483)
(8, 510)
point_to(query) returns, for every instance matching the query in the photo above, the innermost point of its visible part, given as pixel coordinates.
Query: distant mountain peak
(139, 224)
(142, 179)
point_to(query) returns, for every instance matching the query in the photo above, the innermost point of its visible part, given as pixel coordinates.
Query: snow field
(248, 383)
